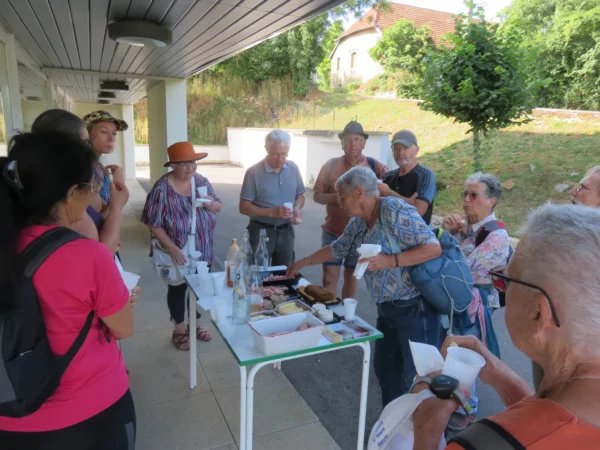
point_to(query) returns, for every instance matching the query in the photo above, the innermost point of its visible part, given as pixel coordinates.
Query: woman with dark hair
(46, 182)
(94, 225)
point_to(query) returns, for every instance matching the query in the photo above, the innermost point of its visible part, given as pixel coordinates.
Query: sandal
(203, 334)
(181, 341)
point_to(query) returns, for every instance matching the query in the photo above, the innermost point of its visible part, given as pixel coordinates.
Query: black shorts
(112, 429)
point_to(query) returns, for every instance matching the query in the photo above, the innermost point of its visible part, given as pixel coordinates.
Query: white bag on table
(394, 429)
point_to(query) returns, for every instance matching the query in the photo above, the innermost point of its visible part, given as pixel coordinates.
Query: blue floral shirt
(405, 225)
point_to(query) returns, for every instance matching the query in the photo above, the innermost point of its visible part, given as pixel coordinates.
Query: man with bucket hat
(412, 182)
(353, 140)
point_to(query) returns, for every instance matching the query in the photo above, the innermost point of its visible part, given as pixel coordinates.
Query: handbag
(165, 267)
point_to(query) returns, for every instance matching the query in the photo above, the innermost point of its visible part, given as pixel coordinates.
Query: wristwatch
(444, 388)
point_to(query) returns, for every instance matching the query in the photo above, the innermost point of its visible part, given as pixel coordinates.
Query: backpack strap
(42, 247)
(32, 258)
(372, 164)
(486, 229)
(485, 434)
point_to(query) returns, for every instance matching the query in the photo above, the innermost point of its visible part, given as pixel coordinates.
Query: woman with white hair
(406, 241)
(552, 316)
(485, 242)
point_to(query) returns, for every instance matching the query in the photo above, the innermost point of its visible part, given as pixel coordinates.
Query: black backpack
(29, 371)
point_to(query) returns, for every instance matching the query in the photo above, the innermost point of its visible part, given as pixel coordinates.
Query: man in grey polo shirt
(267, 185)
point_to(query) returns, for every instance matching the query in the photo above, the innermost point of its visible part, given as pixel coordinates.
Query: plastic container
(279, 335)
(263, 315)
(298, 303)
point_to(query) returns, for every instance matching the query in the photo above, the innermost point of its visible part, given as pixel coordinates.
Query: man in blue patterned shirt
(406, 240)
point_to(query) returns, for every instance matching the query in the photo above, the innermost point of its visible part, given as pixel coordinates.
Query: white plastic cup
(218, 280)
(289, 205)
(202, 268)
(203, 190)
(222, 310)
(317, 307)
(350, 308)
(464, 365)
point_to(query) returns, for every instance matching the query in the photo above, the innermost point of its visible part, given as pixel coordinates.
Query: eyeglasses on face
(95, 187)
(501, 282)
(584, 187)
(471, 195)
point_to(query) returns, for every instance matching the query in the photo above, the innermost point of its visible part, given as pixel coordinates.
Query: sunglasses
(471, 195)
(501, 282)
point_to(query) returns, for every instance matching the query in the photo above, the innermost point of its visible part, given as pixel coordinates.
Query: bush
(351, 87)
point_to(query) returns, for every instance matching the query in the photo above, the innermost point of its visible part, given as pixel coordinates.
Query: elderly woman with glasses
(169, 214)
(552, 316)
(485, 242)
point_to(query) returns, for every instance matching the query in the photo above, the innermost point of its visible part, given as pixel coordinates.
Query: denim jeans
(401, 321)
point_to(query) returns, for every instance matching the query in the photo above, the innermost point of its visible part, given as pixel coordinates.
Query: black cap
(404, 137)
(353, 128)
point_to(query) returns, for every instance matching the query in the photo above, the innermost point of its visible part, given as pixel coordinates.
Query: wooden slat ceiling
(72, 34)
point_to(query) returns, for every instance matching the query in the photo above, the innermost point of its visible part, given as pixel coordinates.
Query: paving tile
(277, 406)
(310, 436)
(183, 424)
(157, 370)
(216, 343)
(222, 370)
(228, 447)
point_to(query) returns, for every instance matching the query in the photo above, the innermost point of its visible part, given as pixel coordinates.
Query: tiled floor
(170, 415)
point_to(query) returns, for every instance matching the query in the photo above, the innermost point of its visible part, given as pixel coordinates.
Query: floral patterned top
(171, 211)
(491, 253)
(404, 224)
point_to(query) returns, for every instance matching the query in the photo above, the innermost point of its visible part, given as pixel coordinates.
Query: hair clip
(11, 175)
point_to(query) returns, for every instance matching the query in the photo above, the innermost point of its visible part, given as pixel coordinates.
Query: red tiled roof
(439, 22)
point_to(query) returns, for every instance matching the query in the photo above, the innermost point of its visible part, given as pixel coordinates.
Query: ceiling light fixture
(103, 102)
(140, 33)
(111, 85)
(102, 94)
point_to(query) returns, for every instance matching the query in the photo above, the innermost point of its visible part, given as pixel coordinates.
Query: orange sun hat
(183, 152)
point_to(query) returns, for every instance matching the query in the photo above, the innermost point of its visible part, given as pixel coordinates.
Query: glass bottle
(247, 249)
(255, 287)
(232, 254)
(261, 257)
(241, 299)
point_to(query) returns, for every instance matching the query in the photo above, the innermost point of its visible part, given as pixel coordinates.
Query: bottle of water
(247, 249)
(255, 287)
(241, 299)
(261, 256)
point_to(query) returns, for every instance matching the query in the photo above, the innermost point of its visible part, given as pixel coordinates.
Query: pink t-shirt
(78, 277)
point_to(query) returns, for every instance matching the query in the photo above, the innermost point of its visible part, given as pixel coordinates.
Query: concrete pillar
(9, 81)
(128, 143)
(167, 122)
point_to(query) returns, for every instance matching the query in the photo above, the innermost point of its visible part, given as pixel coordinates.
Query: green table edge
(297, 352)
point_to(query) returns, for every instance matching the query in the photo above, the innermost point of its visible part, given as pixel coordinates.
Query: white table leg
(364, 388)
(250, 404)
(243, 378)
(192, 307)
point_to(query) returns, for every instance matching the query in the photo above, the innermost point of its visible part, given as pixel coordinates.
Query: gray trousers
(280, 245)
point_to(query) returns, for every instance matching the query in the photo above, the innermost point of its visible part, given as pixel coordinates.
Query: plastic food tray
(298, 303)
(278, 335)
(285, 282)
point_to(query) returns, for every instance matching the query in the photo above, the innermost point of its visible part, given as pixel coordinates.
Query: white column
(50, 95)
(128, 143)
(11, 99)
(167, 122)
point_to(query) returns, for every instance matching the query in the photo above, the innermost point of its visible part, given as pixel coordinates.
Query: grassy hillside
(554, 148)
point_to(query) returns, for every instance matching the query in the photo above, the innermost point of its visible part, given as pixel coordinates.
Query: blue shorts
(349, 261)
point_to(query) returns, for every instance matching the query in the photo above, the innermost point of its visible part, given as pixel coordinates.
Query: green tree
(478, 81)
(328, 42)
(562, 41)
(401, 52)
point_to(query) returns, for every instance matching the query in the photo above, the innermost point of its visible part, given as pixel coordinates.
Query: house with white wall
(350, 59)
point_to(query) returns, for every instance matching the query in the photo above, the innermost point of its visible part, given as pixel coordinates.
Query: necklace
(544, 394)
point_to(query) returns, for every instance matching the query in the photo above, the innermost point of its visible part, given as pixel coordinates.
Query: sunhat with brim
(353, 128)
(104, 116)
(183, 152)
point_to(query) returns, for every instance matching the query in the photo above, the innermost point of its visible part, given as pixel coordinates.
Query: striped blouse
(171, 211)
